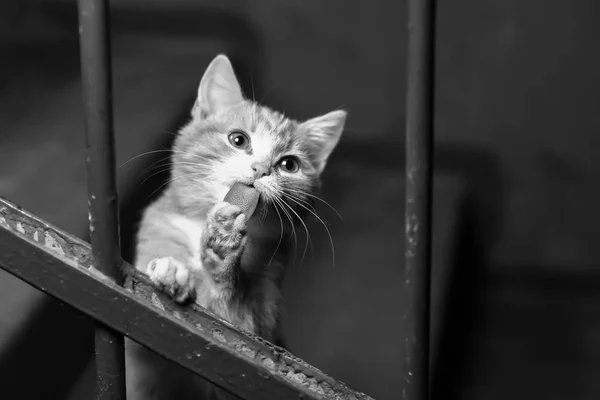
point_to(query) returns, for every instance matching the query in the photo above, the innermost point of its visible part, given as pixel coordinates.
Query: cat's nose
(260, 170)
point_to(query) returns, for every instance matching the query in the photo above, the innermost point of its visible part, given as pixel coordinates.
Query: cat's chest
(191, 228)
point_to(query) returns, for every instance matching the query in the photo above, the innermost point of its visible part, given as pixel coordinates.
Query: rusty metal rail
(60, 265)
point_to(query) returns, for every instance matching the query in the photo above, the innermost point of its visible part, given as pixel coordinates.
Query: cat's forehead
(269, 126)
(265, 120)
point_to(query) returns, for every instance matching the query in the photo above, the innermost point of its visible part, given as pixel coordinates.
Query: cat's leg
(223, 243)
(148, 375)
(168, 251)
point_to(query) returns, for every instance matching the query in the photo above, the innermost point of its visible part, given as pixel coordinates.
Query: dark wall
(519, 78)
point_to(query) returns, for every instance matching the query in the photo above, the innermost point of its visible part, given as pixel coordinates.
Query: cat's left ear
(218, 89)
(324, 134)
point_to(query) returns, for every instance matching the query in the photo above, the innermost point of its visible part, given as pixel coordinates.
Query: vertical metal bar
(103, 201)
(419, 172)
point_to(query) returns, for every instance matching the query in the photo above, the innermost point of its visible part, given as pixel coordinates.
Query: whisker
(264, 95)
(163, 151)
(169, 133)
(153, 174)
(293, 233)
(324, 225)
(303, 193)
(280, 235)
(252, 85)
(265, 211)
(180, 163)
(171, 180)
(191, 164)
(194, 156)
(141, 155)
(154, 164)
(308, 238)
(307, 203)
(168, 165)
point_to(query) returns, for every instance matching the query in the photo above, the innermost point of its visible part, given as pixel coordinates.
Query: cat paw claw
(173, 277)
(226, 230)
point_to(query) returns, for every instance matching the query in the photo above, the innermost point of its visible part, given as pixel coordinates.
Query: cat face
(231, 139)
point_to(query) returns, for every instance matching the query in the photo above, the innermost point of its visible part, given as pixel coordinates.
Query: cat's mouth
(257, 186)
(245, 183)
(251, 183)
(260, 187)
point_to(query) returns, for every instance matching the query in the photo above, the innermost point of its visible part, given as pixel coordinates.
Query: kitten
(196, 247)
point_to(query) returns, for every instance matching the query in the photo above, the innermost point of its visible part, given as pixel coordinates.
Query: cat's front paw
(173, 277)
(226, 232)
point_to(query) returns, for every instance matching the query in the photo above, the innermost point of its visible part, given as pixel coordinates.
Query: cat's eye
(239, 139)
(289, 164)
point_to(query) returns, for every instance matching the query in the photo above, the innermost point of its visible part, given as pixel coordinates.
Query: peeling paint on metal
(51, 243)
(268, 363)
(218, 334)
(245, 349)
(156, 302)
(313, 385)
(412, 230)
(298, 378)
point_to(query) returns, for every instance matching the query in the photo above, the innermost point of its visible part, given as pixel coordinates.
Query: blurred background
(516, 289)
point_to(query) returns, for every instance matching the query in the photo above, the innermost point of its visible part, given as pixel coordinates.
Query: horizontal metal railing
(60, 265)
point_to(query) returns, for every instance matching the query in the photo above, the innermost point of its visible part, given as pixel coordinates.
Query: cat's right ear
(218, 89)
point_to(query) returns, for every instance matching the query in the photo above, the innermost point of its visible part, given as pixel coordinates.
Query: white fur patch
(160, 268)
(192, 230)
